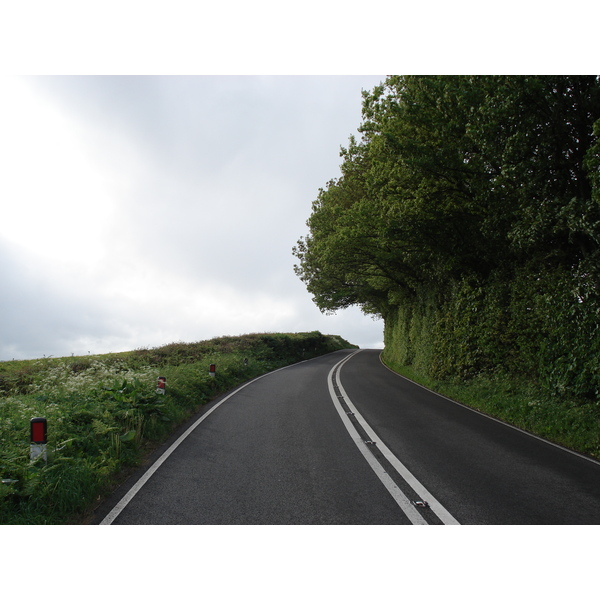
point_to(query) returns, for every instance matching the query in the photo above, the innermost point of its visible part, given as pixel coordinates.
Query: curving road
(343, 440)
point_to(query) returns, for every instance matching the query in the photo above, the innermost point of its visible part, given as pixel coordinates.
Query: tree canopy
(462, 178)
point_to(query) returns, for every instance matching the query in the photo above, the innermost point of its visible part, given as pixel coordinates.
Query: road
(343, 440)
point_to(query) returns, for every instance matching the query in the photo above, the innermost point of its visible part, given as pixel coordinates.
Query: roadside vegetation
(467, 217)
(104, 413)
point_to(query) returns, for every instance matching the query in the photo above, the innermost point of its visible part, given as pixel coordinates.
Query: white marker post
(161, 385)
(38, 438)
(212, 370)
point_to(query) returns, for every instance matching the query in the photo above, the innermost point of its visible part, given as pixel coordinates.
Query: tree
(470, 183)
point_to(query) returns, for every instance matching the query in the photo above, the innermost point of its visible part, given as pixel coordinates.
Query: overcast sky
(143, 210)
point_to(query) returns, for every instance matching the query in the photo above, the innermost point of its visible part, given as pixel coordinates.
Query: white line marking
(116, 511)
(403, 502)
(416, 485)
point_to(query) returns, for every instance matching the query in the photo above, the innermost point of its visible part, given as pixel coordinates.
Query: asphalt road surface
(343, 440)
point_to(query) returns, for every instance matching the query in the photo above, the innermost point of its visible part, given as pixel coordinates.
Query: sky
(157, 166)
(143, 210)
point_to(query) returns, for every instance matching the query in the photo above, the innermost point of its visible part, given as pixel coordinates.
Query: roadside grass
(522, 404)
(104, 413)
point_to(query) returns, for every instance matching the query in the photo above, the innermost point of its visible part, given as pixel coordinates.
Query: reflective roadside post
(212, 370)
(161, 384)
(38, 437)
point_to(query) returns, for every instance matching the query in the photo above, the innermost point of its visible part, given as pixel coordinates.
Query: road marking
(403, 502)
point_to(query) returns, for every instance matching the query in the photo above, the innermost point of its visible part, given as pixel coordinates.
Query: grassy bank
(104, 413)
(522, 404)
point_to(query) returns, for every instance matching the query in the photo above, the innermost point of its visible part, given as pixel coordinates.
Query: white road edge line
(482, 414)
(118, 508)
(415, 484)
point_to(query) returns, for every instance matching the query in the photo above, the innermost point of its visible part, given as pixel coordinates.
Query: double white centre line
(338, 394)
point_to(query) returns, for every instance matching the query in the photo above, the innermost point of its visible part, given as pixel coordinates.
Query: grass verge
(104, 413)
(522, 404)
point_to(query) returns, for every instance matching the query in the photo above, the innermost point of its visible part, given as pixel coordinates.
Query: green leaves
(454, 180)
(128, 437)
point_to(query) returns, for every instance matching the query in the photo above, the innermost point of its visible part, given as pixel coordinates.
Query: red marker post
(38, 437)
(212, 370)
(161, 385)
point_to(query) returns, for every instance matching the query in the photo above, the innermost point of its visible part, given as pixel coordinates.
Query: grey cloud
(215, 177)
